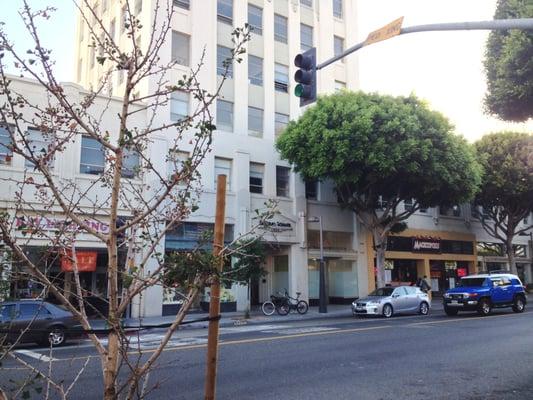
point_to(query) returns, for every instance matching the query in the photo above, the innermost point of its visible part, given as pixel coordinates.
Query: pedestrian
(425, 286)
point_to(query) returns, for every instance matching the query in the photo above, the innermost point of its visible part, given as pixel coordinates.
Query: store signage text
(278, 226)
(85, 261)
(56, 224)
(426, 245)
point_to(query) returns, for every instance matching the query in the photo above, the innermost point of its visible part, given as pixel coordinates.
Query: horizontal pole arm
(498, 24)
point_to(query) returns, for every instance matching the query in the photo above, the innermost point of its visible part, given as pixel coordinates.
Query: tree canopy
(382, 146)
(506, 192)
(382, 150)
(509, 65)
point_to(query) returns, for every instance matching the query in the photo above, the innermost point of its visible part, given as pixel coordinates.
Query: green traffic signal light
(305, 76)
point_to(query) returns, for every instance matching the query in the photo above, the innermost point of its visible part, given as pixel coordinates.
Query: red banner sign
(86, 261)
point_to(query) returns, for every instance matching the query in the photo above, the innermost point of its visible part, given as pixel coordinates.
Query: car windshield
(472, 282)
(382, 292)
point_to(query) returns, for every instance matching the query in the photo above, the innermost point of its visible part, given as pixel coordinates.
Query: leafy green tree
(506, 194)
(509, 65)
(382, 150)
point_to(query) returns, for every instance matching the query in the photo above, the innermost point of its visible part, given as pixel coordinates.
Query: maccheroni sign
(36, 223)
(426, 245)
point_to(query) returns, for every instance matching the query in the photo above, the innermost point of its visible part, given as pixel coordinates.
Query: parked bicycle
(283, 304)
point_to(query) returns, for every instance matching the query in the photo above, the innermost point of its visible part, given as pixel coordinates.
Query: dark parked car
(35, 321)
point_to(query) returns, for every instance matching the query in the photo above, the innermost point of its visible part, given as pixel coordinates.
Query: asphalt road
(411, 357)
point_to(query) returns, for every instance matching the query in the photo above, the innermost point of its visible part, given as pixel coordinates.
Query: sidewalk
(256, 317)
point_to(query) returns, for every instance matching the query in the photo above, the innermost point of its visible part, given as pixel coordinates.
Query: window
(30, 311)
(112, 28)
(339, 86)
(93, 56)
(224, 115)
(255, 19)
(6, 154)
(130, 164)
(454, 211)
(257, 172)
(7, 312)
(282, 181)
(182, 3)
(338, 46)
(306, 37)
(82, 31)
(307, 3)
(281, 78)
(281, 122)
(37, 144)
(80, 66)
(382, 203)
(104, 5)
(337, 8)
(255, 70)
(176, 162)
(225, 11)
(224, 60)
(179, 105)
(121, 76)
(311, 190)
(255, 121)
(408, 205)
(223, 167)
(280, 28)
(92, 156)
(180, 48)
(138, 6)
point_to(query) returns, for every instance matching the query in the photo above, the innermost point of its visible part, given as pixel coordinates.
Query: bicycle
(270, 306)
(292, 303)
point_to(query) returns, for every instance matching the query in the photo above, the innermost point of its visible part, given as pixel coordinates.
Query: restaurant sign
(426, 245)
(85, 261)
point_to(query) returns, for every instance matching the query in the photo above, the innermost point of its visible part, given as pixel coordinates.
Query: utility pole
(214, 301)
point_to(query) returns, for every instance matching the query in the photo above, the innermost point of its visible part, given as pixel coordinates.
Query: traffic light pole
(499, 24)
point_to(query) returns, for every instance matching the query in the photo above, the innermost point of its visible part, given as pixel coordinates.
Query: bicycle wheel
(268, 308)
(302, 307)
(283, 308)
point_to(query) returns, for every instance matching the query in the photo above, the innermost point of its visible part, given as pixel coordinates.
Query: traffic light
(306, 77)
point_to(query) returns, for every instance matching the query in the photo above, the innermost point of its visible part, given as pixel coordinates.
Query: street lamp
(322, 306)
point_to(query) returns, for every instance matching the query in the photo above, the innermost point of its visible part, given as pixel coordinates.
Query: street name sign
(390, 30)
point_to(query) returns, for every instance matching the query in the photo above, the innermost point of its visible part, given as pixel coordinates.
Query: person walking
(424, 285)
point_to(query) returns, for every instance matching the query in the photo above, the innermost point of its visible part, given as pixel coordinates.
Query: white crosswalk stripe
(33, 354)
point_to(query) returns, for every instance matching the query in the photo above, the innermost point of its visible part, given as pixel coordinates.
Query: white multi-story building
(255, 105)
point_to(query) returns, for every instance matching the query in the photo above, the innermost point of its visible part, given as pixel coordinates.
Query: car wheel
(484, 307)
(519, 304)
(424, 308)
(55, 337)
(450, 311)
(387, 311)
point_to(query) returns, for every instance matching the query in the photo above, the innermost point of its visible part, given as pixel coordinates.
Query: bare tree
(127, 206)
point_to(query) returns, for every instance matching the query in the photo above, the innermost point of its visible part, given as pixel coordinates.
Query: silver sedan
(388, 301)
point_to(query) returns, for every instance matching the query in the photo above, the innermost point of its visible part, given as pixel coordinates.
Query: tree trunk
(111, 367)
(511, 257)
(381, 247)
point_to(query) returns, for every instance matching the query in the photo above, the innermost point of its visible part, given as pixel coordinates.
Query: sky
(444, 68)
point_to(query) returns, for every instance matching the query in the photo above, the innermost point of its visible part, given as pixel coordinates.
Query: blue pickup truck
(484, 292)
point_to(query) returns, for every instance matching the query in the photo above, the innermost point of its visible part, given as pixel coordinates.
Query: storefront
(443, 257)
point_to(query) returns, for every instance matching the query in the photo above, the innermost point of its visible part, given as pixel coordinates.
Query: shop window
(280, 277)
(520, 250)
(282, 181)
(489, 249)
(280, 28)
(331, 240)
(255, 19)
(408, 205)
(454, 211)
(188, 235)
(257, 172)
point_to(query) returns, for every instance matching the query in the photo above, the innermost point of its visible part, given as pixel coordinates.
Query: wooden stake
(214, 302)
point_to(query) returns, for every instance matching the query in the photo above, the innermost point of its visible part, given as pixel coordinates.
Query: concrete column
(298, 273)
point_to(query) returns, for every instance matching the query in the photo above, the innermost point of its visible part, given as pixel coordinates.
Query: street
(405, 357)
